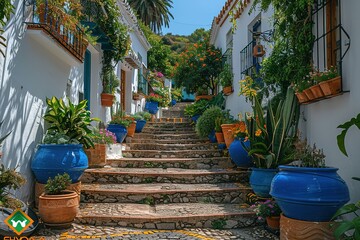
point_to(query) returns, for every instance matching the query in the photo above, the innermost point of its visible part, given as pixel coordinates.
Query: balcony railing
(247, 60)
(143, 85)
(227, 57)
(72, 39)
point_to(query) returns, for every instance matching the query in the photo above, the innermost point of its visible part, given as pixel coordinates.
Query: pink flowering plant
(103, 136)
(269, 208)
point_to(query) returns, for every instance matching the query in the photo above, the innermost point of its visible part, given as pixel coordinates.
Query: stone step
(186, 163)
(168, 124)
(209, 153)
(159, 175)
(166, 136)
(169, 141)
(157, 193)
(172, 120)
(172, 131)
(173, 147)
(166, 216)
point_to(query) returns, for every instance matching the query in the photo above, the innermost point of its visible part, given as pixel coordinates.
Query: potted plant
(218, 132)
(118, 125)
(195, 110)
(299, 91)
(62, 149)
(58, 206)
(110, 82)
(270, 211)
(329, 81)
(202, 93)
(97, 154)
(272, 136)
(152, 103)
(176, 95)
(205, 126)
(136, 96)
(226, 80)
(237, 152)
(141, 119)
(308, 187)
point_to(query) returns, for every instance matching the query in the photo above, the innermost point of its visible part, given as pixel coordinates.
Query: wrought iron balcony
(247, 60)
(72, 39)
(227, 57)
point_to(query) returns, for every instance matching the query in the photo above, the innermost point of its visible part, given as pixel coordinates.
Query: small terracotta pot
(220, 137)
(107, 99)
(40, 188)
(273, 222)
(206, 97)
(316, 90)
(228, 90)
(131, 129)
(309, 94)
(332, 86)
(59, 209)
(136, 96)
(228, 134)
(301, 96)
(96, 155)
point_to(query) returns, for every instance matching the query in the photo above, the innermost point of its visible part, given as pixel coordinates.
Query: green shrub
(197, 108)
(58, 184)
(206, 123)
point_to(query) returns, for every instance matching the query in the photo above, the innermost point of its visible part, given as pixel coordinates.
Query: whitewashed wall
(241, 38)
(320, 119)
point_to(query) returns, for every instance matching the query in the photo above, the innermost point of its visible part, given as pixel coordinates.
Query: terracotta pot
(131, 129)
(292, 229)
(206, 97)
(228, 90)
(220, 137)
(136, 96)
(59, 209)
(107, 99)
(301, 96)
(317, 92)
(97, 155)
(309, 94)
(273, 222)
(332, 86)
(228, 134)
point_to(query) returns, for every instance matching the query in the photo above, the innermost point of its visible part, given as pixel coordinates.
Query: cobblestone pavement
(116, 233)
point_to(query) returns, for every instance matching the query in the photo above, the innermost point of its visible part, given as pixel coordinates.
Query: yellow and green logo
(18, 221)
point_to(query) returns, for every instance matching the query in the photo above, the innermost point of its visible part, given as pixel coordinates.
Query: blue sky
(192, 14)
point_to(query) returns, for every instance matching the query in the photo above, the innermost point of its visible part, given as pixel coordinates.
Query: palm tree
(154, 13)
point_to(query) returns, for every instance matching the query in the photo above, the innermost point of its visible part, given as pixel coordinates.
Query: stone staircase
(169, 179)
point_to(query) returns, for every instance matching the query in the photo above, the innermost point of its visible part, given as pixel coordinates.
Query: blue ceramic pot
(173, 102)
(195, 118)
(152, 107)
(221, 146)
(309, 194)
(140, 124)
(238, 154)
(53, 159)
(260, 181)
(119, 130)
(212, 137)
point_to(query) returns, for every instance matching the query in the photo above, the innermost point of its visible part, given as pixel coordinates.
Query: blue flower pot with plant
(238, 154)
(140, 124)
(119, 130)
(260, 181)
(152, 107)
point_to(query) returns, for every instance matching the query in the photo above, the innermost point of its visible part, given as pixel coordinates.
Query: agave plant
(70, 120)
(272, 133)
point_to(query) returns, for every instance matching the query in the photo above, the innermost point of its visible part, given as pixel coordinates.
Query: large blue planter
(238, 154)
(140, 124)
(53, 159)
(195, 118)
(152, 107)
(309, 194)
(260, 181)
(119, 130)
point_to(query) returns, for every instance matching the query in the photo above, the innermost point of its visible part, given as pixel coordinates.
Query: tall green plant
(272, 132)
(206, 123)
(355, 121)
(70, 120)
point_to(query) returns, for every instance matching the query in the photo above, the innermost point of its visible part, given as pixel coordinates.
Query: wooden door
(122, 89)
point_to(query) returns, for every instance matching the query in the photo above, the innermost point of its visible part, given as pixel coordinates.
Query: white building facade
(318, 120)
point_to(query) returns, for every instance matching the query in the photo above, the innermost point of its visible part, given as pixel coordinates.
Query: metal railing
(227, 57)
(70, 37)
(247, 60)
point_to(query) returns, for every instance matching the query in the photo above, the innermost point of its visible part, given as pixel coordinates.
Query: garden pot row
(320, 90)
